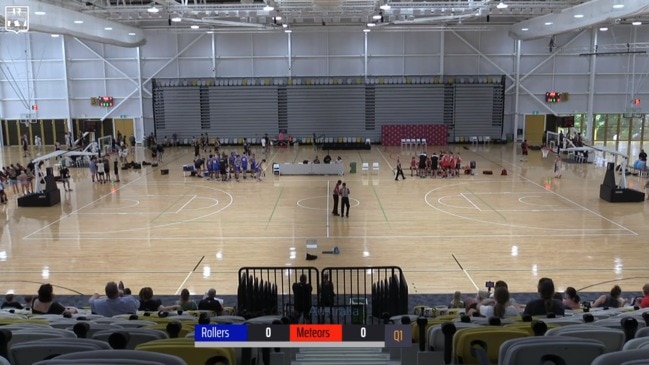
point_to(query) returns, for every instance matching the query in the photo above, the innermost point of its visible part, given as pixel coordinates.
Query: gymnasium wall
(61, 74)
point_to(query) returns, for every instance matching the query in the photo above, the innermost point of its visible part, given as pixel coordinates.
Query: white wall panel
(155, 66)
(611, 84)
(385, 66)
(339, 66)
(492, 42)
(422, 65)
(270, 44)
(453, 44)
(504, 62)
(310, 66)
(195, 67)
(48, 69)
(127, 67)
(422, 42)
(159, 44)
(202, 46)
(48, 90)
(82, 49)
(461, 65)
(343, 43)
(113, 52)
(384, 43)
(309, 44)
(232, 44)
(85, 69)
(277, 67)
(234, 67)
(86, 88)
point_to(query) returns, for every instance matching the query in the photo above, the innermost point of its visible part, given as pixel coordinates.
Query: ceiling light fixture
(371, 24)
(376, 17)
(153, 8)
(78, 22)
(548, 23)
(603, 29)
(268, 8)
(618, 5)
(39, 13)
(384, 7)
(131, 34)
(108, 28)
(176, 19)
(525, 29)
(288, 31)
(284, 25)
(501, 5)
(54, 35)
(636, 23)
(367, 30)
(194, 26)
(578, 16)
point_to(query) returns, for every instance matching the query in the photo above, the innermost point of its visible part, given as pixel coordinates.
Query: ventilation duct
(592, 13)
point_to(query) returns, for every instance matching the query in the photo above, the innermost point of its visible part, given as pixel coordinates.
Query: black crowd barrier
(269, 291)
(361, 295)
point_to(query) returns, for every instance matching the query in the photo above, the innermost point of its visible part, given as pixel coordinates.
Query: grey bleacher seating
(553, 349)
(116, 357)
(613, 339)
(27, 353)
(136, 335)
(619, 357)
(636, 343)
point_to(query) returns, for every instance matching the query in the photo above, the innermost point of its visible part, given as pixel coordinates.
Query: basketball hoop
(27, 119)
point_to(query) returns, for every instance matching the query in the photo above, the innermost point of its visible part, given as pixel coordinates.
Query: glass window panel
(600, 122)
(612, 122)
(645, 132)
(636, 129)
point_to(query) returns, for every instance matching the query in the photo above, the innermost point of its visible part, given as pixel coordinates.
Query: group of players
(446, 164)
(223, 167)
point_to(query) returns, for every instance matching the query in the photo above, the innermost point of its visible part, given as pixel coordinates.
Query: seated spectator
(210, 303)
(502, 307)
(316, 160)
(302, 291)
(186, 303)
(643, 302)
(457, 301)
(10, 302)
(546, 304)
(473, 305)
(612, 300)
(147, 303)
(327, 159)
(570, 298)
(44, 303)
(113, 304)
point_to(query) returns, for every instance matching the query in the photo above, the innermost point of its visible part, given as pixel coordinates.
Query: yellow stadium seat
(184, 348)
(490, 338)
(186, 328)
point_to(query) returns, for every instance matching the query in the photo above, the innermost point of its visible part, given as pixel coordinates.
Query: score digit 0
(268, 332)
(363, 334)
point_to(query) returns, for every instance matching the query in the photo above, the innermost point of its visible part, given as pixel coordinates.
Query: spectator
(147, 303)
(612, 300)
(186, 303)
(327, 293)
(644, 301)
(10, 302)
(546, 304)
(113, 304)
(473, 305)
(211, 303)
(44, 303)
(502, 307)
(302, 292)
(457, 301)
(571, 299)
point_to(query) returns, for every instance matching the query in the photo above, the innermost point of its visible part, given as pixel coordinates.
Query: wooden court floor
(172, 232)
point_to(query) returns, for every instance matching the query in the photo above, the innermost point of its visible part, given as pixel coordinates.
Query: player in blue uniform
(244, 165)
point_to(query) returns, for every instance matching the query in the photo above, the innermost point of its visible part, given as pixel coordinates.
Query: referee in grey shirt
(344, 193)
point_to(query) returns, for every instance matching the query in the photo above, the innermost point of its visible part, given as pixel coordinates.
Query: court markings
(440, 200)
(81, 212)
(302, 203)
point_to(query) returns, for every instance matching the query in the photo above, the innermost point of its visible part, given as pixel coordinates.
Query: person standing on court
(399, 171)
(344, 193)
(336, 194)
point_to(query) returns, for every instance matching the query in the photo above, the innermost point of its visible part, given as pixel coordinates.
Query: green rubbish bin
(352, 167)
(359, 310)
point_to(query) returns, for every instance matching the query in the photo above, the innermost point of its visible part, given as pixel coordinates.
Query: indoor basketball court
(175, 231)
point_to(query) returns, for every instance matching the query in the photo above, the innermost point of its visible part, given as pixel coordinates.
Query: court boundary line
(385, 159)
(467, 199)
(581, 206)
(426, 200)
(83, 207)
(184, 205)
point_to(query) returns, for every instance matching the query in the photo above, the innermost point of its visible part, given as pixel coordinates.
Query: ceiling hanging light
(501, 5)
(269, 7)
(636, 23)
(385, 6)
(176, 19)
(603, 29)
(618, 4)
(153, 9)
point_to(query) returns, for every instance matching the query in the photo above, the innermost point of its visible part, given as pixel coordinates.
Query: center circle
(311, 202)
